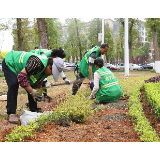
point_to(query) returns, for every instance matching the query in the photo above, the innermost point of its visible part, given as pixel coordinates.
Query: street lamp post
(126, 49)
(102, 34)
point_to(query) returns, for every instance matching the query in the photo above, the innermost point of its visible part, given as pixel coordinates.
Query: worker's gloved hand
(67, 81)
(47, 84)
(91, 86)
(36, 96)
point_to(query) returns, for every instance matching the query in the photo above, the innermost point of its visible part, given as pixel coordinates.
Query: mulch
(112, 124)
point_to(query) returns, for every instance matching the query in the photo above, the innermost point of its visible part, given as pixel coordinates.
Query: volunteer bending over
(106, 87)
(27, 70)
(54, 54)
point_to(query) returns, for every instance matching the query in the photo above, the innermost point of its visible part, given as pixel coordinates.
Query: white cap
(57, 67)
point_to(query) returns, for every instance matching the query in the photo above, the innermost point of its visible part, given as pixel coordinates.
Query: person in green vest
(106, 87)
(87, 67)
(27, 70)
(48, 53)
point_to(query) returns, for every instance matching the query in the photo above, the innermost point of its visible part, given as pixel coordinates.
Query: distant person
(106, 87)
(87, 67)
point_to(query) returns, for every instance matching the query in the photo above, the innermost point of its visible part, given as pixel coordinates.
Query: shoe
(49, 98)
(12, 118)
(27, 104)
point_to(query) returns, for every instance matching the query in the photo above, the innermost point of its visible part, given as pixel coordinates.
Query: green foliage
(108, 38)
(136, 112)
(29, 35)
(132, 31)
(76, 41)
(75, 108)
(153, 93)
(95, 27)
(54, 32)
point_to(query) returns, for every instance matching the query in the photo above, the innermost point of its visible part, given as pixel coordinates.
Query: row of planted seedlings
(152, 91)
(74, 109)
(78, 109)
(142, 125)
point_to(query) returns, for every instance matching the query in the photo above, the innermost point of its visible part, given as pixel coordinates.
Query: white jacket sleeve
(97, 78)
(62, 75)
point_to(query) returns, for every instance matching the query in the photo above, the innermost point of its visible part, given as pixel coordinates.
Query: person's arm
(97, 78)
(90, 72)
(62, 75)
(92, 57)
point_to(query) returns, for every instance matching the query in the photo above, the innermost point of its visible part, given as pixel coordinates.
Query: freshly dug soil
(112, 124)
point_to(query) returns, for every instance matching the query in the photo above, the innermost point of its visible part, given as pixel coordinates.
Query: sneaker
(12, 118)
(38, 110)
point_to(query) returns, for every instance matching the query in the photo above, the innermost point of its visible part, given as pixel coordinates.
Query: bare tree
(43, 33)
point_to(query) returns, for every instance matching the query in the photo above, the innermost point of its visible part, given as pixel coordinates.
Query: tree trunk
(78, 39)
(130, 53)
(19, 34)
(156, 50)
(155, 43)
(43, 33)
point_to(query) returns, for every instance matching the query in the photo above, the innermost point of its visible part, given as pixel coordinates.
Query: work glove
(89, 97)
(47, 85)
(36, 96)
(67, 81)
(91, 86)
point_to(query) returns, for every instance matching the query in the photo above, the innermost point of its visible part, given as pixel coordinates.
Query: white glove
(47, 84)
(67, 81)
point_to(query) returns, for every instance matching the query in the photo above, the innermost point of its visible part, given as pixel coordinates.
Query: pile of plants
(153, 79)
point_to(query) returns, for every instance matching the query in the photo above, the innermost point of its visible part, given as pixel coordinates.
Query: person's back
(106, 87)
(109, 90)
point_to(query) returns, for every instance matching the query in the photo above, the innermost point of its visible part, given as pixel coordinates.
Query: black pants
(13, 85)
(77, 85)
(45, 90)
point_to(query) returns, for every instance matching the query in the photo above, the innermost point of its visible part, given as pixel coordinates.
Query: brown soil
(112, 124)
(109, 125)
(149, 113)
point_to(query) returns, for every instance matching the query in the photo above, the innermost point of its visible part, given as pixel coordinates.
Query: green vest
(40, 51)
(109, 88)
(17, 60)
(83, 65)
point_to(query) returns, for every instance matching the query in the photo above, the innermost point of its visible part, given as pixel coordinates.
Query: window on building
(139, 28)
(142, 28)
(142, 39)
(146, 39)
(145, 34)
(142, 34)
(149, 51)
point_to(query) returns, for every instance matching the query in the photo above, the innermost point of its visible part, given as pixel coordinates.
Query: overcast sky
(7, 44)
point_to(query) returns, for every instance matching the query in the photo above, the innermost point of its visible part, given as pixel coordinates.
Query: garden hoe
(64, 83)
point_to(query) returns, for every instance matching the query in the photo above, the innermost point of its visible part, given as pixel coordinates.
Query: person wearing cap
(27, 70)
(106, 87)
(48, 53)
(87, 67)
